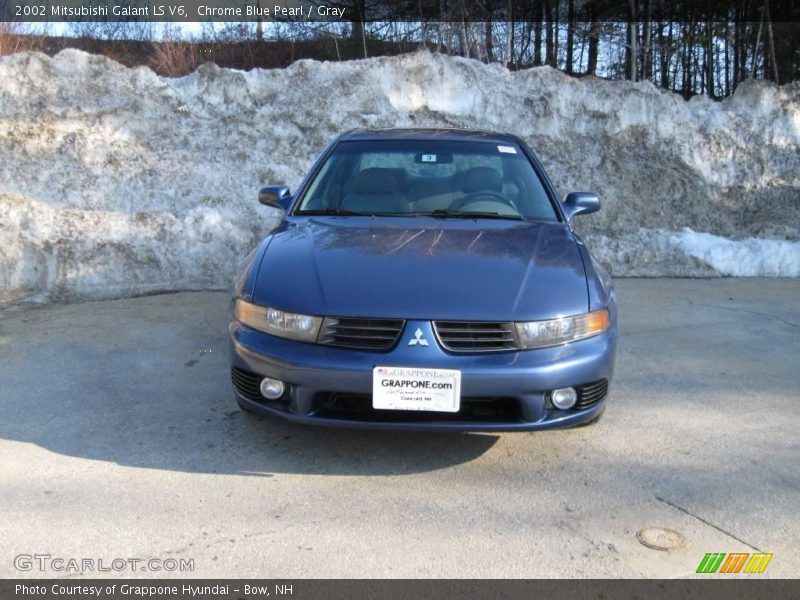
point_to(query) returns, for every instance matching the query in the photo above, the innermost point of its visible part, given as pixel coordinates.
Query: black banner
(386, 11)
(714, 588)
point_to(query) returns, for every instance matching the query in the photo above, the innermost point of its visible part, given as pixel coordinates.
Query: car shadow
(145, 383)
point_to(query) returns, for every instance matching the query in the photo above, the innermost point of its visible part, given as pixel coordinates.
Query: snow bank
(746, 258)
(686, 253)
(114, 181)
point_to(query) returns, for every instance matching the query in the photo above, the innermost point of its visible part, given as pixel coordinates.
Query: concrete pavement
(120, 438)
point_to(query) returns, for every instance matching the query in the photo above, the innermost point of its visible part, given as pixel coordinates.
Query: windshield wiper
(439, 212)
(446, 212)
(332, 211)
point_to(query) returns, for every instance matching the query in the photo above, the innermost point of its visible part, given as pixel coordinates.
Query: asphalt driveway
(120, 438)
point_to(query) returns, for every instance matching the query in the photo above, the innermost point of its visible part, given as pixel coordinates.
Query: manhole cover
(659, 538)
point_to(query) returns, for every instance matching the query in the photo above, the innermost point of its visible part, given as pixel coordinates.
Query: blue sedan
(424, 279)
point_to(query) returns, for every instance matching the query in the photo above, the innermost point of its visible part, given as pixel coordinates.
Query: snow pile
(687, 253)
(114, 181)
(772, 258)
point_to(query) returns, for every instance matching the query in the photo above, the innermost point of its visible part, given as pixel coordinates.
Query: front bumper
(313, 373)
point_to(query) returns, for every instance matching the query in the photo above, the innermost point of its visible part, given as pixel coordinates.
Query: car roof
(449, 135)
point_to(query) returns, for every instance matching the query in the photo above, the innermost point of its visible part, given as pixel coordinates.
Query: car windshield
(428, 177)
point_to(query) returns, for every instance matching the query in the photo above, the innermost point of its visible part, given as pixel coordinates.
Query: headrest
(480, 179)
(376, 180)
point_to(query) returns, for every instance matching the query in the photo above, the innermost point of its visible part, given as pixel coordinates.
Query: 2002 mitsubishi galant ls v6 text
(425, 279)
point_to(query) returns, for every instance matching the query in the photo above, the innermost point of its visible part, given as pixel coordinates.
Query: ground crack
(752, 312)
(702, 520)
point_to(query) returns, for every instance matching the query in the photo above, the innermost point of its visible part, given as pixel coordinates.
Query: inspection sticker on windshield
(431, 158)
(507, 149)
(416, 388)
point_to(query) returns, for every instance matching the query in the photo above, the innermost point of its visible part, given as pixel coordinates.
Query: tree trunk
(525, 44)
(757, 43)
(771, 39)
(688, 45)
(647, 45)
(510, 35)
(737, 51)
(664, 54)
(259, 24)
(439, 27)
(462, 37)
(489, 42)
(631, 48)
(537, 34)
(742, 49)
(727, 82)
(677, 64)
(357, 30)
(570, 35)
(666, 57)
(555, 34)
(549, 41)
(594, 43)
(709, 59)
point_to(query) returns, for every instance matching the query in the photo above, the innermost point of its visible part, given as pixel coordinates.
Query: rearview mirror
(276, 196)
(434, 158)
(580, 203)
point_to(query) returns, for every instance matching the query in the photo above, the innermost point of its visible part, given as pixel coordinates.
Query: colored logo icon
(734, 562)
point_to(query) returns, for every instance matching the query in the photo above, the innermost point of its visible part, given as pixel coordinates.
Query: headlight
(538, 334)
(276, 322)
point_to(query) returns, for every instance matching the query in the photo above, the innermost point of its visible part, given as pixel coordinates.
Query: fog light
(272, 389)
(564, 398)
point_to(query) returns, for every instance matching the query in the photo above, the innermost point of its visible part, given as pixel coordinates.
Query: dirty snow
(771, 258)
(115, 182)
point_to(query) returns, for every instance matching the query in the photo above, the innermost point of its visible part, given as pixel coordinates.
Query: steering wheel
(483, 196)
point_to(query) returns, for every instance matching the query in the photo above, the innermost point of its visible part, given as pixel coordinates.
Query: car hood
(423, 268)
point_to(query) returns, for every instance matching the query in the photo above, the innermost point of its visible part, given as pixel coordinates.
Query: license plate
(416, 388)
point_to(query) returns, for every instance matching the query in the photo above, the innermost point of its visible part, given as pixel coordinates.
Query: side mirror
(580, 203)
(275, 196)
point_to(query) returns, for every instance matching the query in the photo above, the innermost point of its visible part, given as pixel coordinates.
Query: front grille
(591, 393)
(362, 334)
(477, 336)
(246, 383)
(358, 407)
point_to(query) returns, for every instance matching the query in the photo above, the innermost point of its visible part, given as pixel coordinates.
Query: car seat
(479, 179)
(377, 190)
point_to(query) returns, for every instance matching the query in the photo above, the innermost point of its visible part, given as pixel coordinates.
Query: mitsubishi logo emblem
(418, 340)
